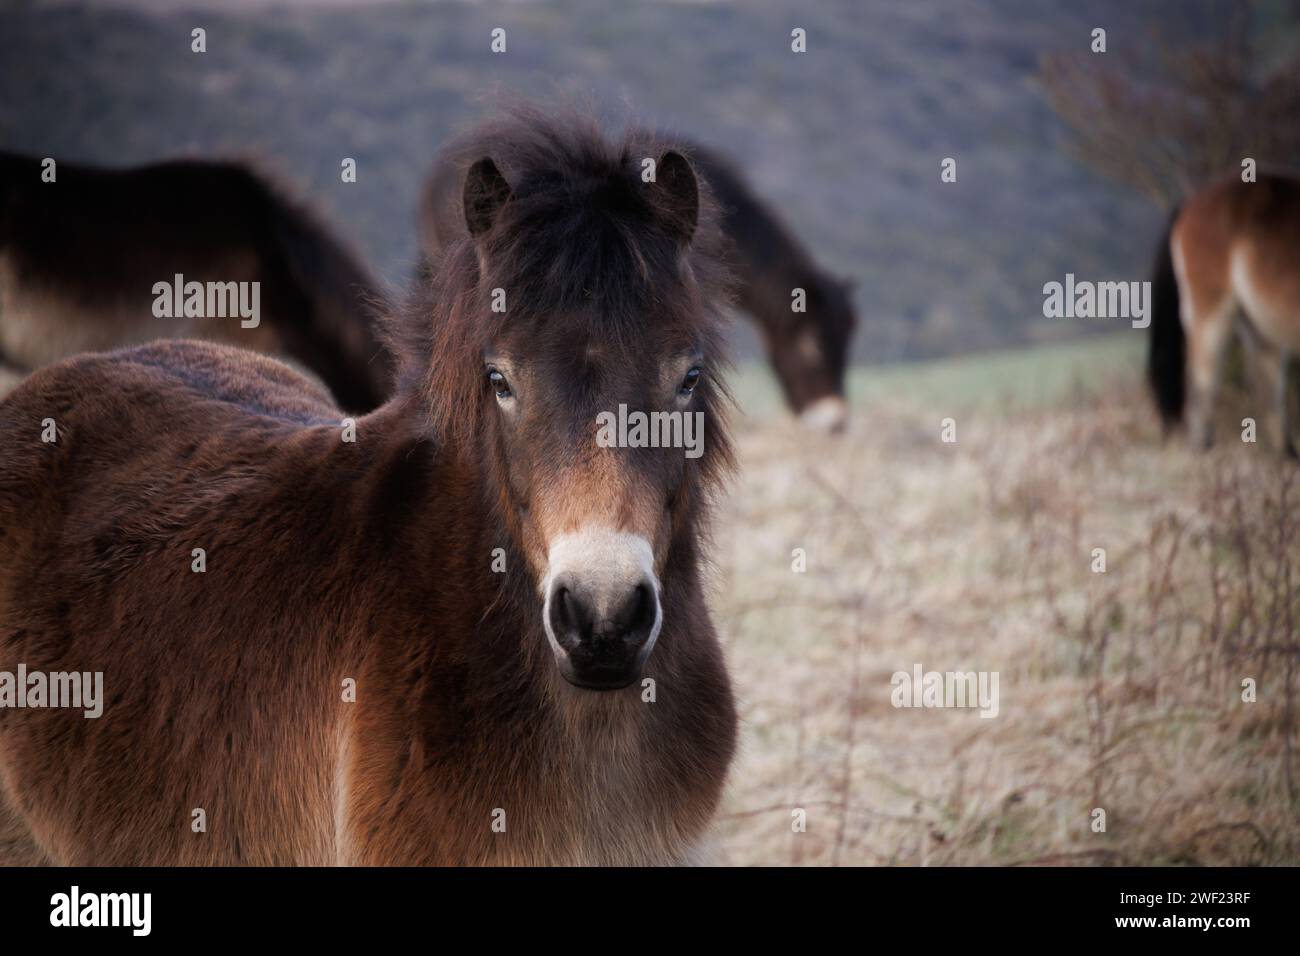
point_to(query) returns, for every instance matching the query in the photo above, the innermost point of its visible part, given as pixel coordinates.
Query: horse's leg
(1208, 333)
(1266, 367)
(1271, 368)
(1282, 406)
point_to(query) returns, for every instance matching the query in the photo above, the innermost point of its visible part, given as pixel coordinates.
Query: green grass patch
(1013, 378)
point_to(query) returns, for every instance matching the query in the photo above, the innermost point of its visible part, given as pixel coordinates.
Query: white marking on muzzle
(826, 414)
(609, 563)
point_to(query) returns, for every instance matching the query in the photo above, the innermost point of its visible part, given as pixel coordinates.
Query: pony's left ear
(679, 195)
(486, 191)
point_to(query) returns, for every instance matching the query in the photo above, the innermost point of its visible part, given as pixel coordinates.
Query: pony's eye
(689, 382)
(499, 384)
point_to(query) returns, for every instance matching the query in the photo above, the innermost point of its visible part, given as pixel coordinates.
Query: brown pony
(1231, 256)
(516, 607)
(80, 257)
(808, 350)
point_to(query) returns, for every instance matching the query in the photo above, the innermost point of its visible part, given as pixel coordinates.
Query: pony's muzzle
(828, 414)
(602, 612)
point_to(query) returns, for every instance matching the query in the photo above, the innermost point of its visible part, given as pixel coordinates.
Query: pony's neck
(437, 499)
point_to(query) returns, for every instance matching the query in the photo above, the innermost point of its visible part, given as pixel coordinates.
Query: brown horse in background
(1231, 257)
(808, 350)
(517, 608)
(79, 258)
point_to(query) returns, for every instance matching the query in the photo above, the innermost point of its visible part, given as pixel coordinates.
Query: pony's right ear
(486, 191)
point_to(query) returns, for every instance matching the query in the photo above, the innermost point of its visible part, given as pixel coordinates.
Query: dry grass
(1119, 690)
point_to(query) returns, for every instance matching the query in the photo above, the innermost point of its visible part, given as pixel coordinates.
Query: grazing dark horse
(808, 350)
(1231, 257)
(80, 257)
(515, 606)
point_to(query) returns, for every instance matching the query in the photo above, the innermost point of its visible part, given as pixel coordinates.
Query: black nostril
(571, 616)
(636, 617)
(566, 613)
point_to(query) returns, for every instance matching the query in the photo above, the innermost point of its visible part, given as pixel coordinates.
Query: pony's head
(576, 354)
(811, 364)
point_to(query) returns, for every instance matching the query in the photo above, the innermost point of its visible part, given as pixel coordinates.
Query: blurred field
(1119, 690)
(845, 141)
